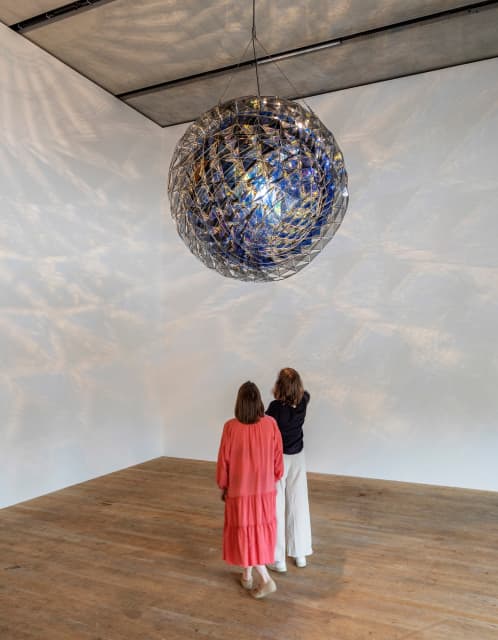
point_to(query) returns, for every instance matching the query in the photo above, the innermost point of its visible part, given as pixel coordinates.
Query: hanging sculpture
(257, 187)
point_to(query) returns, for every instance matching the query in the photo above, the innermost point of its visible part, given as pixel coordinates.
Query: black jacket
(290, 421)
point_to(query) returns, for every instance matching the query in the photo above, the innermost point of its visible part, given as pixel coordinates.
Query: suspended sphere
(257, 188)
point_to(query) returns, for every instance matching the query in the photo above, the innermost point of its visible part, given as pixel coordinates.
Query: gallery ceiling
(173, 59)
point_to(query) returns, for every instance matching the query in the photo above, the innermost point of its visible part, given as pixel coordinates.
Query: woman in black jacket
(293, 513)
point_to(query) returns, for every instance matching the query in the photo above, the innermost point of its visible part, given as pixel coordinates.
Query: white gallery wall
(81, 182)
(117, 345)
(394, 326)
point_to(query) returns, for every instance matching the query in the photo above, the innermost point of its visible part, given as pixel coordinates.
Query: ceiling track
(58, 13)
(290, 53)
(78, 6)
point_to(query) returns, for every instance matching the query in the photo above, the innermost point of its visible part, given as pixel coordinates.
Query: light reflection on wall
(393, 325)
(109, 328)
(80, 231)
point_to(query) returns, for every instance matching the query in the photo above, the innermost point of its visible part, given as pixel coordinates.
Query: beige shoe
(264, 589)
(301, 562)
(247, 584)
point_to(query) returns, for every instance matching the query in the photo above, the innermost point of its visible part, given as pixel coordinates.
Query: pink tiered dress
(249, 464)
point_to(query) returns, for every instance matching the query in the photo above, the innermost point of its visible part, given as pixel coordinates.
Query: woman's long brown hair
(249, 407)
(288, 387)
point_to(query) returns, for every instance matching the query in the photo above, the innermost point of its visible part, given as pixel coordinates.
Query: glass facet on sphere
(257, 187)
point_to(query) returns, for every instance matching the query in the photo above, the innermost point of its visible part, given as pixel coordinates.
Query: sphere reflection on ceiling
(257, 187)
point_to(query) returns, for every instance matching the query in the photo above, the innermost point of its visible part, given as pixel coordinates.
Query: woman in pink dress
(250, 462)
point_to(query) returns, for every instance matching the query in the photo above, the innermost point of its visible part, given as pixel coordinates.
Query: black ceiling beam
(58, 13)
(470, 8)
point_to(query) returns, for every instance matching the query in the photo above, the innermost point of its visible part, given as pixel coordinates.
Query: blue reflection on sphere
(257, 188)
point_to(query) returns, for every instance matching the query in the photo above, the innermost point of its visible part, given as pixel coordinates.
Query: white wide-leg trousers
(293, 512)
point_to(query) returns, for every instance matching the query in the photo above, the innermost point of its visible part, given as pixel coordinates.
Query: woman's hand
(223, 494)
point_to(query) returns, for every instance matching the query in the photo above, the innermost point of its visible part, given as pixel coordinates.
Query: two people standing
(261, 473)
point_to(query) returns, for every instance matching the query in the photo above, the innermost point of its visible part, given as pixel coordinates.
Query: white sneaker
(301, 562)
(279, 567)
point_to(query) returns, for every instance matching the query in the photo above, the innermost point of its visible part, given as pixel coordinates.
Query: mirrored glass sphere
(257, 187)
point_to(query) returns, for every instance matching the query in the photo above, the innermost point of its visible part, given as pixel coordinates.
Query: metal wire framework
(257, 187)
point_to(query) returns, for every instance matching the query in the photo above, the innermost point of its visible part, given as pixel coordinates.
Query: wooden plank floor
(136, 554)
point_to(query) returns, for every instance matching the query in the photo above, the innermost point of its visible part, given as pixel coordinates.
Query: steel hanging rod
(298, 52)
